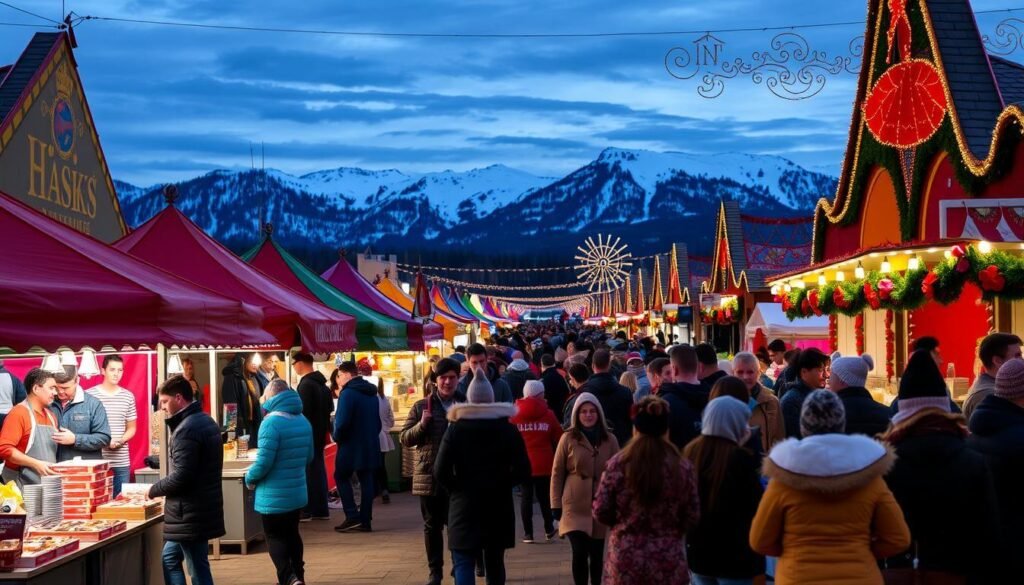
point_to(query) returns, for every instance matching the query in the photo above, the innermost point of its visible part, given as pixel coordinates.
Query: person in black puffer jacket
(997, 432)
(243, 388)
(686, 397)
(194, 505)
(422, 431)
(864, 416)
(616, 400)
(931, 455)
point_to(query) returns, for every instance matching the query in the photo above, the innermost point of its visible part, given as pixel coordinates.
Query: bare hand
(115, 445)
(43, 469)
(64, 437)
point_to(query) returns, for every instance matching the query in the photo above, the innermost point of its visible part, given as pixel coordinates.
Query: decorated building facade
(748, 249)
(924, 234)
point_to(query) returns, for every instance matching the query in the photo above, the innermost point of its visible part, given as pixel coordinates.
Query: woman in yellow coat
(827, 513)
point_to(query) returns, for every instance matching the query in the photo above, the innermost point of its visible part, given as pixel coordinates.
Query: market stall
(769, 321)
(747, 250)
(923, 235)
(374, 330)
(452, 324)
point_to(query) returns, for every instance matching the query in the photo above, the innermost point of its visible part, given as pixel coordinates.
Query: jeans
(316, 487)
(704, 580)
(541, 486)
(122, 475)
(435, 516)
(193, 552)
(285, 544)
(465, 566)
(363, 513)
(587, 557)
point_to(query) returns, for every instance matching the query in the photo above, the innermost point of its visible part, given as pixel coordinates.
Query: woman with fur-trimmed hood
(827, 513)
(481, 458)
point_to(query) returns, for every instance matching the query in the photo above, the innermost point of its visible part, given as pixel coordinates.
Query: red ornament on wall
(833, 333)
(858, 329)
(890, 346)
(906, 105)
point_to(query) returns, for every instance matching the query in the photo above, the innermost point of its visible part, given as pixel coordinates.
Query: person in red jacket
(541, 431)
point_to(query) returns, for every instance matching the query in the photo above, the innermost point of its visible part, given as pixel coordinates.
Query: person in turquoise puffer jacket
(279, 478)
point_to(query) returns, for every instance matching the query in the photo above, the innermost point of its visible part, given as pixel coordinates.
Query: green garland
(999, 275)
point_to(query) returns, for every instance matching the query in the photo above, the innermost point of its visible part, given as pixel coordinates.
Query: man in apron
(27, 445)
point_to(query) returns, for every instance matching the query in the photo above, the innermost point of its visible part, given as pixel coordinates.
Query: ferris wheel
(603, 265)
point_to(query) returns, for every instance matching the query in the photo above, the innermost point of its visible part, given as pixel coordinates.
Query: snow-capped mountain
(648, 198)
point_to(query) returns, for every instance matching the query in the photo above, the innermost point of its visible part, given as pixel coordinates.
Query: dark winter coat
(931, 456)
(709, 380)
(997, 432)
(719, 546)
(516, 380)
(235, 391)
(482, 457)
(357, 427)
(194, 504)
(686, 404)
(556, 389)
(317, 405)
(616, 401)
(426, 441)
(864, 416)
(791, 403)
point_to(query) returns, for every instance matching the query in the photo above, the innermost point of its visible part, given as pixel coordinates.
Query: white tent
(772, 321)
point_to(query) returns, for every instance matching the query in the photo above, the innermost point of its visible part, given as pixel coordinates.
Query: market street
(392, 554)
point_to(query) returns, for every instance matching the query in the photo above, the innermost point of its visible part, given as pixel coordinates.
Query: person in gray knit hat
(822, 413)
(864, 416)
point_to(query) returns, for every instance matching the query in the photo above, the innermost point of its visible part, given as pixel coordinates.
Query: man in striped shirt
(121, 415)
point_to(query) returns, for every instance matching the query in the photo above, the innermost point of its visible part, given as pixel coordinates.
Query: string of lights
(475, 35)
(413, 268)
(482, 286)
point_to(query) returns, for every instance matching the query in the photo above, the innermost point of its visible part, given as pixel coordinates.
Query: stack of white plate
(32, 496)
(53, 497)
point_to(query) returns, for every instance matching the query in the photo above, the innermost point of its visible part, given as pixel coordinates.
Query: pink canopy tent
(170, 240)
(345, 278)
(63, 288)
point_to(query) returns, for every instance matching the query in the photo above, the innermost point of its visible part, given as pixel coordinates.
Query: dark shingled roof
(971, 81)
(1010, 76)
(24, 69)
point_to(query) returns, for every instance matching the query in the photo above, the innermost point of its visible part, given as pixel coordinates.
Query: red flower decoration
(838, 298)
(786, 304)
(958, 251)
(963, 265)
(813, 298)
(885, 287)
(991, 279)
(805, 307)
(871, 296)
(928, 285)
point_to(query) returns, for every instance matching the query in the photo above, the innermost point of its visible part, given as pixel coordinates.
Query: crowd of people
(651, 460)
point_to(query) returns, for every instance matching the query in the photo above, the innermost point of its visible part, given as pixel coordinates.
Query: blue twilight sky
(172, 103)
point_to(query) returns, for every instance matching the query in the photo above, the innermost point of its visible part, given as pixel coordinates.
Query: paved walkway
(392, 554)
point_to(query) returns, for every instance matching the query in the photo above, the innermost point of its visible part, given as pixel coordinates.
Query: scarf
(592, 435)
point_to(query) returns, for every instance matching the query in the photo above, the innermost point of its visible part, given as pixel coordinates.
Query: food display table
(130, 556)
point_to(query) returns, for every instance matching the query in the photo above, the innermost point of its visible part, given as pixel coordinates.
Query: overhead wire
(429, 35)
(30, 13)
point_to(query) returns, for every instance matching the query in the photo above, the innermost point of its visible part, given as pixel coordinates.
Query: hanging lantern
(174, 365)
(89, 367)
(51, 364)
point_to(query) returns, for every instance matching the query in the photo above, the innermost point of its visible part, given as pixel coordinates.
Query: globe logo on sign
(63, 126)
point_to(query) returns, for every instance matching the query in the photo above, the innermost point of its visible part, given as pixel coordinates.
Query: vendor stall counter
(132, 556)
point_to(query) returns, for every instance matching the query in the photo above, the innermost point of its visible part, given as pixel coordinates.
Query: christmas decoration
(858, 330)
(906, 105)
(726, 314)
(833, 333)
(890, 346)
(603, 265)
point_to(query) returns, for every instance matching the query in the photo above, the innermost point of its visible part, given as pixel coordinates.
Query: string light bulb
(800, 284)
(886, 266)
(840, 276)
(786, 287)
(858, 272)
(914, 263)
(821, 279)
(985, 247)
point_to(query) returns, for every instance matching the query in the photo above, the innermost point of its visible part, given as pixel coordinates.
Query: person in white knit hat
(482, 457)
(864, 416)
(540, 431)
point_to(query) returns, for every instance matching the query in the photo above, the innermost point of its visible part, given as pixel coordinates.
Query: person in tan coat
(827, 513)
(580, 459)
(765, 412)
